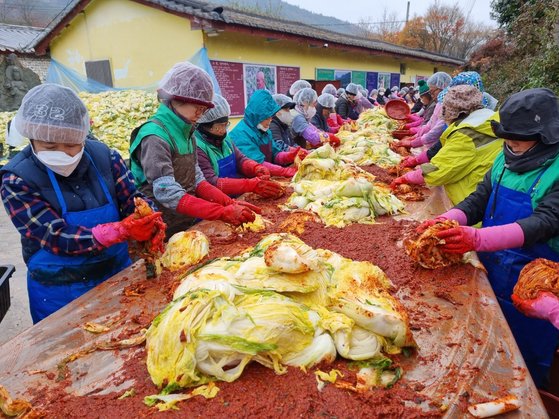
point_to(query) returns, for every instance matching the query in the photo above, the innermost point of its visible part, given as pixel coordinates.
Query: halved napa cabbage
(230, 312)
(185, 248)
(291, 258)
(360, 293)
(254, 273)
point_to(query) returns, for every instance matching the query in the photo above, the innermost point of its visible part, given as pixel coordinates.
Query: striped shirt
(36, 219)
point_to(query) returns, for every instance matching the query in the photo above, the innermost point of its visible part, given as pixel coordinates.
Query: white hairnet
(373, 92)
(306, 96)
(283, 100)
(221, 109)
(440, 79)
(52, 113)
(340, 91)
(188, 83)
(298, 85)
(394, 89)
(363, 91)
(327, 100)
(330, 88)
(352, 88)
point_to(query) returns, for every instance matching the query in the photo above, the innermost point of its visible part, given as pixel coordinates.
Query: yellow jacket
(469, 148)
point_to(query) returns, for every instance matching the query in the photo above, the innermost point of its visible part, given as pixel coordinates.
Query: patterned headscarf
(470, 78)
(462, 99)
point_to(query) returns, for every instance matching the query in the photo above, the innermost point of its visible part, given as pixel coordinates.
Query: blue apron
(55, 280)
(227, 166)
(537, 339)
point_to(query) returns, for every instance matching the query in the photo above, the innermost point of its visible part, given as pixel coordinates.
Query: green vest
(523, 181)
(180, 131)
(214, 153)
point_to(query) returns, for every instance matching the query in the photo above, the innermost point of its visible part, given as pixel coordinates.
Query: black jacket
(346, 109)
(319, 121)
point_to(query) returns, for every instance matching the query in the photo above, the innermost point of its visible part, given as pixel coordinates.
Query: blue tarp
(65, 76)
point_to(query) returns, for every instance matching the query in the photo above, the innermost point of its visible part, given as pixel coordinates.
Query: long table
(469, 347)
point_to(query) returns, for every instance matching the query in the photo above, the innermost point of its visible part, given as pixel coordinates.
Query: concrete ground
(17, 318)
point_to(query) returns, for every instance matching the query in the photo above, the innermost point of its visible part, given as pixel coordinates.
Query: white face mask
(261, 128)
(311, 111)
(59, 162)
(286, 117)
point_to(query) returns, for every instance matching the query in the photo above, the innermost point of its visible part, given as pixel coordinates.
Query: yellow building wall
(143, 42)
(235, 46)
(140, 42)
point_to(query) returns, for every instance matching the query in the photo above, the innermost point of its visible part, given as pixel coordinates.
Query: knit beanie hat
(463, 99)
(423, 88)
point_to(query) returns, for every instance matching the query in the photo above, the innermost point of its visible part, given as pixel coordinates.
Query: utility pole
(408, 13)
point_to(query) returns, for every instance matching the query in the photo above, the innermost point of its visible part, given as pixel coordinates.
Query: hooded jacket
(469, 148)
(252, 142)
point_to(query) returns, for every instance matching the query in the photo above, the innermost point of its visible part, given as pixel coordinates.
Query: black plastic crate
(6, 272)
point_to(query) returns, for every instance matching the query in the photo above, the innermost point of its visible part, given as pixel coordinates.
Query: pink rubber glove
(414, 130)
(287, 157)
(412, 161)
(404, 142)
(414, 177)
(452, 214)
(110, 234)
(262, 187)
(276, 170)
(545, 306)
(139, 229)
(488, 239)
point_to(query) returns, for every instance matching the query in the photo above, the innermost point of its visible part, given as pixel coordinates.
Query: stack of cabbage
(338, 191)
(370, 144)
(280, 304)
(115, 114)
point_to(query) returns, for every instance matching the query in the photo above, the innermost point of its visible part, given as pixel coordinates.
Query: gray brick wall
(38, 64)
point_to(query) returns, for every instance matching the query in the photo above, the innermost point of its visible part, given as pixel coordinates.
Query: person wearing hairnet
(222, 163)
(253, 138)
(280, 127)
(430, 132)
(305, 106)
(163, 155)
(298, 85)
(331, 89)
(431, 136)
(324, 108)
(427, 107)
(346, 103)
(469, 146)
(373, 97)
(381, 98)
(394, 92)
(71, 199)
(517, 203)
(362, 100)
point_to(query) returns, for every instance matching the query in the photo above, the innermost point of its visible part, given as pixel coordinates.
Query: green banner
(359, 77)
(324, 74)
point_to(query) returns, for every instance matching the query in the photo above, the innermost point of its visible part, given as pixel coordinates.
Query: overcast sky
(372, 10)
